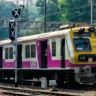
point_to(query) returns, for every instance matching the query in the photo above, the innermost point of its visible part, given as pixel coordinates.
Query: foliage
(56, 11)
(52, 9)
(76, 10)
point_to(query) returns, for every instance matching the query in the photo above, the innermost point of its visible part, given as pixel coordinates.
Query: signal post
(13, 30)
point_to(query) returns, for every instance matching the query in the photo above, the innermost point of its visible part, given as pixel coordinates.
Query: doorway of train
(43, 45)
(62, 52)
(1, 57)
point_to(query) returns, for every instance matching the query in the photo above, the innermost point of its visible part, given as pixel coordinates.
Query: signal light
(16, 12)
(12, 25)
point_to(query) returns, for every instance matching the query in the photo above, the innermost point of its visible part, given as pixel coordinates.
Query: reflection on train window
(27, 51)
(33, 51)
(6, 53)
(30, 51)
(82, 44)
(53, 48)
(9, 53)
(84, 34)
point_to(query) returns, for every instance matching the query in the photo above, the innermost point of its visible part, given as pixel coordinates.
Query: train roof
(59, 33)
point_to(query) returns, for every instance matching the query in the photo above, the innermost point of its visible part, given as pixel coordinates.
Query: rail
(28, 91)
(15, 93)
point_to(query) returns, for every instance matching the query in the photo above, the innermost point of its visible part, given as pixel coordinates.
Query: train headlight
(90, 59)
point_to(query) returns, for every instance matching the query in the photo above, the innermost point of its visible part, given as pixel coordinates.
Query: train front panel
(83, 41)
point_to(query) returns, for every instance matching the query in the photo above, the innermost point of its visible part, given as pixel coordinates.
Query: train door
(43, 54)
(62, 53)
(19, 56)
(1, 56)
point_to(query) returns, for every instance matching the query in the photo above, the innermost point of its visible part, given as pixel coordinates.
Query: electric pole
(91, 12)
(45, 7)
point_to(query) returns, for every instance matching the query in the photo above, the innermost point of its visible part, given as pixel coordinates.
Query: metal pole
(45, 16)
(91, 11)
(15, 46)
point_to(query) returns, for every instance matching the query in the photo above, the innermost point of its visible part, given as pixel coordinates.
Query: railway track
(19, 91)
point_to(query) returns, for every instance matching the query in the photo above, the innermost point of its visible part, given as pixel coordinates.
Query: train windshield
(82, 44)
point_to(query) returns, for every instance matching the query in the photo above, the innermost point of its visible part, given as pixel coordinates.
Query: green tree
(63, 10)
(76, 10)
(52, 9)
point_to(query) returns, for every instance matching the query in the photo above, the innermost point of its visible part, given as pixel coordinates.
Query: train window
(6, 53)
(53, 48)
(33, 51)
(27, 51)
(82, 44)
(9, 53)
(85, 34)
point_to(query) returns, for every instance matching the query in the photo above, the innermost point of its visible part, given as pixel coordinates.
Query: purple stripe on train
(29, 65)
(8, 65)
(26, 64)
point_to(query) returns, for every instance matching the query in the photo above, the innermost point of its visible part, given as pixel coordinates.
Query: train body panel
(29, 60)
(8, 57)
(51, 60)
(69, 49)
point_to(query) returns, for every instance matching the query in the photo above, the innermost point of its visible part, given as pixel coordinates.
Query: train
(65, 55)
